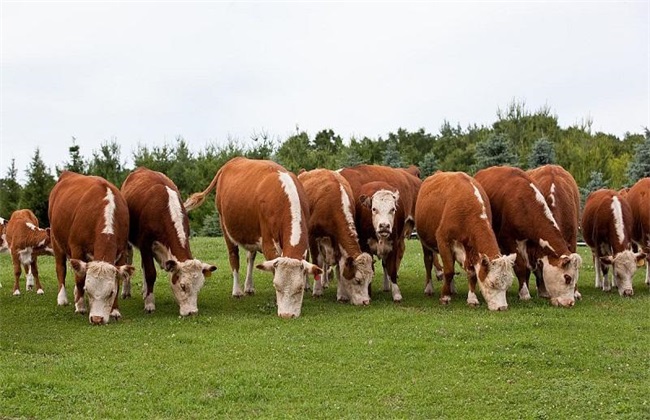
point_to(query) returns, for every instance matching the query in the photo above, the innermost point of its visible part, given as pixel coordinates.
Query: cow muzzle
(286, 315)
(97, 320)
(564, 302)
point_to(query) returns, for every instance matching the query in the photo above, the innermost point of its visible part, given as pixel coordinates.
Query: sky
(144, 73)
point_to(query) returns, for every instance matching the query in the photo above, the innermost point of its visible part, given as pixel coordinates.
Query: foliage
(596, 182)
(391, 156)
(428, 165)
(211, 225)
(543, 153)
(10, 191)
(495, 151)
(35, 195)
(107, 163)
(76, 162)
(237, 359)
(640, 164)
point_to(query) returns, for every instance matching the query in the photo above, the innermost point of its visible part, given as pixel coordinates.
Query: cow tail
(196, 199)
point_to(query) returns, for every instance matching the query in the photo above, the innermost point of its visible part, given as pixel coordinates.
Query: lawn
(236, 358)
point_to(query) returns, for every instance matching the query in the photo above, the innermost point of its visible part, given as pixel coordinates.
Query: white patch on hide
(31, 225)
(294, 202)
(25, 255)
(347, 205)
(552, 196)
(477, 193)
(617, 211)
(176, 213)
(522, 250)
(547, 211)
(545, 244)
(109, 212)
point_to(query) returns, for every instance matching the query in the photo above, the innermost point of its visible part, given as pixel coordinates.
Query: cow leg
(79, 302)
(647, 270)
(342, 294)
(150, 274)
(428, 257)
(598, 281)
(539, 282)
(17, 271)
(448, 274)
(390, 273)
(35, 276)
(249, 288)
(61, 269)
(607, 285)
(523, 273)
(126, 286)
(472, 299)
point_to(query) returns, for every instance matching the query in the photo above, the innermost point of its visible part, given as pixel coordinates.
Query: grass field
(236, 358)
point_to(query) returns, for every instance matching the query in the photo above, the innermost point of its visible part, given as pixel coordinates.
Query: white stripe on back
(617, 211)
(547, 211)
(109, 212)
(176, 214)
(294, 202)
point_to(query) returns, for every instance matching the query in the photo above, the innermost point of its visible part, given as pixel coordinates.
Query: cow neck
(179, 252)
(106, 250)
(348, 240)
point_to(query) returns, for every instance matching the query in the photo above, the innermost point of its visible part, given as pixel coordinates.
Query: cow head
(4, 246)
(560, 276)
(187, 278)
(625, 264)
(356, 275)
(289, 282)
(383, 205)
(495, 278)
(102, 282)
(44, 246)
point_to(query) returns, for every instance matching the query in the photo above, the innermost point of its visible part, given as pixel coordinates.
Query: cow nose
(190, 312)
(384, 226)
(502, 308)
(96, 320)
(365, 302)
(286, 315)
(628, 292)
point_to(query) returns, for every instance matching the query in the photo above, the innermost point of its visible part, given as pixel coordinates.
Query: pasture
(236, 358)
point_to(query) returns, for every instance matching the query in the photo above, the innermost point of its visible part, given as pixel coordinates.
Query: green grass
(416, 359)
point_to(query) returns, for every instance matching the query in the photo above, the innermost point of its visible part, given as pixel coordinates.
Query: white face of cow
(625, 264)
(495, 278)
(101, 286)
(289, 282)
(187, 279)
(384, 206)
(560, 278)
(356, 278)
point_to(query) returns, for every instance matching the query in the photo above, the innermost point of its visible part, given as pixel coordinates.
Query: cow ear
(170, 266)
(208, 269)
(268, 265)
(511, 258)
(607, 260)
(126, 271)
(640, 258)
(485, 261)
(79, 267)
(161, 253)
(311, 268)
(365, 201)
(396, 195)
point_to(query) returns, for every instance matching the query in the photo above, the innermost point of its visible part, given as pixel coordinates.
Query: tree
(76, 162)
(296, 153)
(428, 165)
(596, 182)
(108, 164)
(351, 158)
(543, 153)
(10, 191)
(391, 156)
(640, 164)
(211, 225)
(494, 151)
(35, 195)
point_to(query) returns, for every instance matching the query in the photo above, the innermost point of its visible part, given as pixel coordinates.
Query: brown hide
(598, 224)
(21, 237)
(327, 219)
(638, 198)
(147, 197)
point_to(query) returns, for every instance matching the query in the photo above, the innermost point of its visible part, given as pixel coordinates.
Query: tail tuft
(194, 201)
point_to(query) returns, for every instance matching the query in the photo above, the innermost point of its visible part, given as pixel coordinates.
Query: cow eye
(183, 287)
(567, 279)
(374, 210)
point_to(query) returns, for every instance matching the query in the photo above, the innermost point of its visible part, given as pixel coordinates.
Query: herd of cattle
(501, 220)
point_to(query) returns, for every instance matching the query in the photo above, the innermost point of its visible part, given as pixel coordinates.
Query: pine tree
(494, 151)
(640, 164)
(391, 156)
(211, 225)
(35, 195)
(10, 191)
(76, 162)
(596, 182)
(107, 163)
(429, 165)
(543, 153)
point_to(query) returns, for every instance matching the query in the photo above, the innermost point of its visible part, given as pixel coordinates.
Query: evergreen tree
(494, 151)
(211, 225)
(543, 153)
(35, 195)
(10, 191)
(429, 165)
(108, 164)
(596, 182)
(76, 162)
(351, 158)
(640, 164)
(391, 156)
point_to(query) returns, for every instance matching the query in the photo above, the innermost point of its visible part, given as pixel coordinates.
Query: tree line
(518, 137)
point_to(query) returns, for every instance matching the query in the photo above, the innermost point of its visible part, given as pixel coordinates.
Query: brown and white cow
(26, 241)
(523, 223)
(159, 228)
(89, 222)
(407, 186)
(454, 219)
(563, 198)
(263, 207)
(4, 246)
(333, 238)
(638, 197)
(607, 228)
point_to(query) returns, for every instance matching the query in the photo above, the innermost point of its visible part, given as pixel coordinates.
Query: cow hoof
(40, 292)
(397, 298)
(317, 294)
(250, 292)
(577, 295)
(126, 295)
(544, 295)
(80, 311)
(30, 288)
(16, 292)
(445, 300)
(473, 303)
(115, 314)
(428, 290)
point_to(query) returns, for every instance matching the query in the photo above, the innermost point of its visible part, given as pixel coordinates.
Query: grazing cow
(263, 207)
(607, 228)
(639, 199)
(26, 241)
(90, 225)
(523, 223)
(333, 238)
(560, 189)
(454, 219)
(407, 185)
(4, 246)
(159, 228)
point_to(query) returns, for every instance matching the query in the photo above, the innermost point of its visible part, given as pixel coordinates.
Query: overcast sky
(148, 72)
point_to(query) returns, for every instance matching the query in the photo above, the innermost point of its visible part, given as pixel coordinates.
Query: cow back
(639, 199)
(88, 214)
